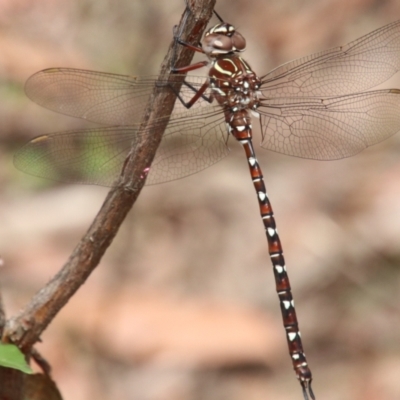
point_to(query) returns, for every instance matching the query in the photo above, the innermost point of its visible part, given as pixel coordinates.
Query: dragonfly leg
(209, 99)
(198, 48)
(182, 70)
(198, 93)
(188, 68)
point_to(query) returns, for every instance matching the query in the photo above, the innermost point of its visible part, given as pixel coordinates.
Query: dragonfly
(320, 107)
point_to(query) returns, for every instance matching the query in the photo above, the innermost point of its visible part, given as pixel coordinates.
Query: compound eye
(222, 42)
(217, 44)
(238, 41)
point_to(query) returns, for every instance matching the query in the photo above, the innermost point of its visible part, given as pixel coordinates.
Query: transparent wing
(358, 66)
(96, 156)
(108, 99)
(332, 128)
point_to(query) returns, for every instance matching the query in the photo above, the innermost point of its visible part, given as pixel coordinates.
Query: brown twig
(26, 328)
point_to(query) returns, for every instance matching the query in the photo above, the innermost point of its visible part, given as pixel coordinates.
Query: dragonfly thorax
(234, 84)
(222, 39)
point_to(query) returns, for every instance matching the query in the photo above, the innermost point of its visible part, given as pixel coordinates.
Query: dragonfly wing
(96, 156)
(332, 128)
(91, 156)
(190, 145)
(355, 67)
(101, 97)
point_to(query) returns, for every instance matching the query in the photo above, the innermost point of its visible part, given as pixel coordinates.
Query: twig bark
(25, 329)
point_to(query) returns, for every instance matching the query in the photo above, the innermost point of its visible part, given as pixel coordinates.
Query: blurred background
(183, 305)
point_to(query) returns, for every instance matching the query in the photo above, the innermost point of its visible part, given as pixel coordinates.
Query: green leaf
(11, 357)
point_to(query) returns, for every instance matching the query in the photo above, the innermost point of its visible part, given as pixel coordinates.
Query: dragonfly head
(223, 39)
